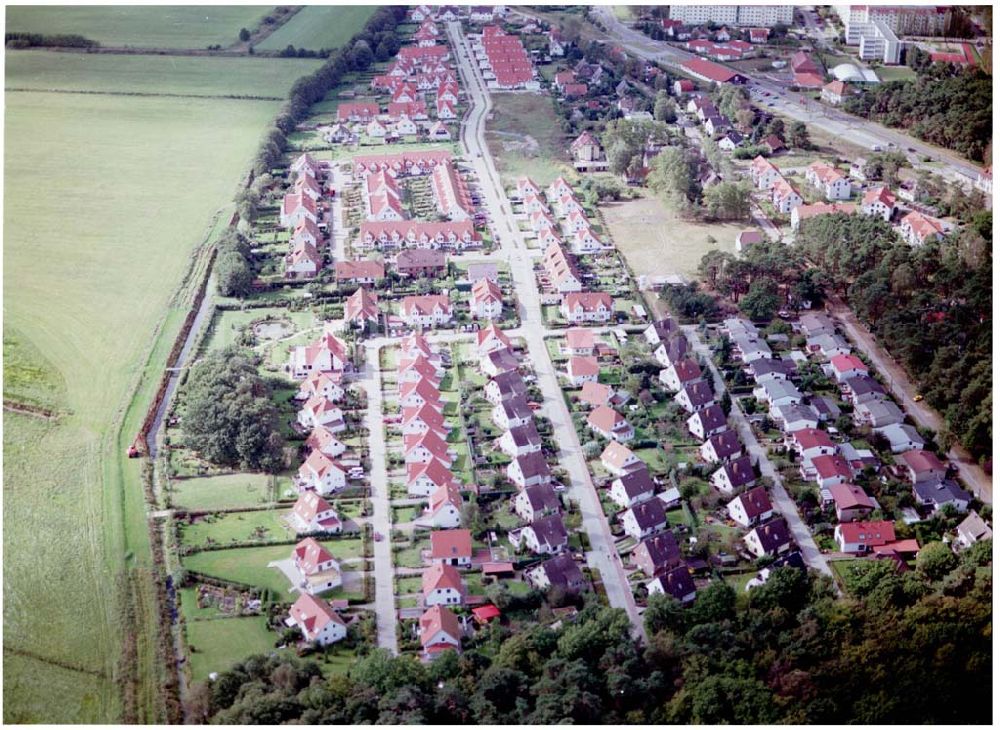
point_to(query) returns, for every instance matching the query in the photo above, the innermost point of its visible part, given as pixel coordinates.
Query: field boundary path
(904, 390)
(782, 500)
(385, 600)
(602, 556)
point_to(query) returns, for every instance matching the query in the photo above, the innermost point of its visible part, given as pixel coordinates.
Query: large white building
(874, 29)
(741, 15)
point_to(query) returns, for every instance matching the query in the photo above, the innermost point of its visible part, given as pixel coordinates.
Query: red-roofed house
(582, 370)
(918, 228)
(879, 202)
(359, 272)
(312, 513)
(486, 301)
(831, 181)
(317, 568)
(712, 72)
(451, 547)
(845, 367)
(357, 112)
(862, 537)
(442, 586)
(610, 424)
(321, 473)
(439, 631)
(424, 479)
(587, 307)
(751, 507)
(429, 310)
(835, 92)
(317, 620)
(831, 470)
(851, 502)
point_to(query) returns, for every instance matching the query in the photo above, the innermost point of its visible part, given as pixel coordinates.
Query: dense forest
(955, 112)
(908, 648)
(930, 306)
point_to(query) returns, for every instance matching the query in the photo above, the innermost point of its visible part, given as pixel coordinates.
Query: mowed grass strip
(28, 378)
(319, 26)
(161, 26)
(227, 491)
(218, 644)
(265, 525)
(187, 75)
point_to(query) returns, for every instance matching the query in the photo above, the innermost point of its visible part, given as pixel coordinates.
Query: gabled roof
(313, 614)
(309, 554)
(636, 483)
(850, 496)
(739, 471)
(605, 418)
(649, 514)
(755, 502)
(617, 455)
(451, 544)
(661, 549)
(441, 576)
(532, 465)
(436, 619)
(726, 444)
(871, 534)
(583, 366)
(811, 438)
(773, 534)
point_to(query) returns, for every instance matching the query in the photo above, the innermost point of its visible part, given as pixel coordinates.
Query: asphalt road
(602, 556)
(779, 495)
(385, 601)
(796, 106)
(904, 390)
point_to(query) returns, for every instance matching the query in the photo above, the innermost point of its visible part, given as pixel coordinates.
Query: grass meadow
(526, 138)
(176, 26)
(105, 199)
(656, 241)
(187, 75)
(319, 26)
(220, 643)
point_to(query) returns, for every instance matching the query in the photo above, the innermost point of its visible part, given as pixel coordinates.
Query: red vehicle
(534, 406)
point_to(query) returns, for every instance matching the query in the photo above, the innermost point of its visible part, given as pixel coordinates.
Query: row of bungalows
(457, 235)
(575, 224)
(321, 367)
(766, 176)
(503, 60)
(721, 444)
(301, 212)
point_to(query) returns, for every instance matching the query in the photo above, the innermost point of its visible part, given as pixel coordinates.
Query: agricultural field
(525, 138)
(158, 75)
(191, 26)
(113, 193)
(655, 241)
(318, 26)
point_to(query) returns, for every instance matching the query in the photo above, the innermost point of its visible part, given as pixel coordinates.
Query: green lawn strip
(319, 26)
(264, 526)
(221, 492)
(218, 644)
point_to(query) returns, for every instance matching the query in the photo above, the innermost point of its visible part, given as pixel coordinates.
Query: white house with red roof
(424, 479)
(361, 308)
(312, 513)
(327, 354)
(917, 228)
(428, 310)
(582, 369)
(763, 173)
(585, 241)
(439, 631)
(851, 502)
(295, 208)
(450, 193)
(318, 411)
(441, 585)
(457, 235)
(863, 537)
(451, 547)
(317, 620)
(362, 112)
(491, 338)
(619, 459)
(486, 300)
(323, 440)
(321, 473)
(318, 571)
(810, 443)
(879, 202)
(421, 367)
(580, 307)
(423, 448)
(679, 374)
(831, 470)
(835, 92)
(417, 393)
(610, 424)
(306, 231)
(326, 385)
(444, 509)
(844, 367)
(828, 179)
(784, 197)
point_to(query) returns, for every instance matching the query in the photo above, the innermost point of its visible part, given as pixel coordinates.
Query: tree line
(901, 648)
(32, 40)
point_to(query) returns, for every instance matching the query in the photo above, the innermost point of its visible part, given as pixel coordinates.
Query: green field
(226, 324)
(193, 26)
(220, 643)
(237, 526)
(112, 193)
(187, 75)
(526, 138)
(319, 26)
(227, 491)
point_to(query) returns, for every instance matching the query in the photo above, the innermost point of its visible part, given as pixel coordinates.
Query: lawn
(656, 241)
(220, 492)
(244, 565)
(525, 138)
(227, 324)
(174, 26)
(113, 193)
(219, 643)
(318, 26)
(896, 73)
(152, 75)
(266, 525)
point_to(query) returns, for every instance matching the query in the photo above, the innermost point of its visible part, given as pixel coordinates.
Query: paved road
(602, 556)
(904, 390)
(779, 496)
(385, 602)
(798, 107)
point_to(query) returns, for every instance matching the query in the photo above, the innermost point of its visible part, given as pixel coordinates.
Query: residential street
(904, 390)
(779, 496)
(385, 602)
(602, 556)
